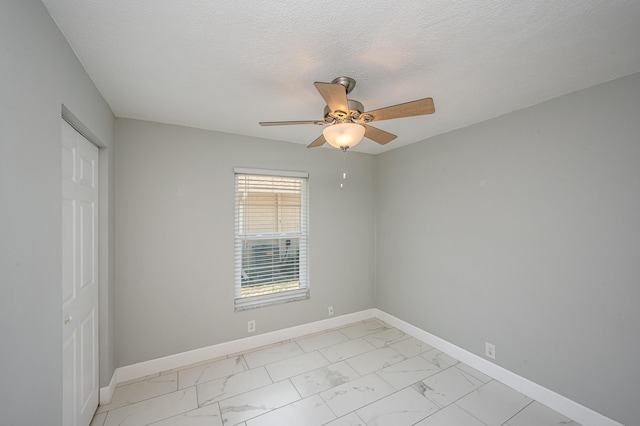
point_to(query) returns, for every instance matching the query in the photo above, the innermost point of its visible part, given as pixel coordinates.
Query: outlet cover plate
(490, 350)
(251, 326)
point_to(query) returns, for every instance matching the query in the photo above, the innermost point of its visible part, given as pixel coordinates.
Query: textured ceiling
(225, 65)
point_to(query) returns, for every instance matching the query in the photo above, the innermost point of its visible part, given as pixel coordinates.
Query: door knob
(68, 319)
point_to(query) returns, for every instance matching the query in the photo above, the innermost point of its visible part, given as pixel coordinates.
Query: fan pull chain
(344, 167)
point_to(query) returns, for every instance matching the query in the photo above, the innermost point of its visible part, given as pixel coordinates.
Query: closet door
(79, 277)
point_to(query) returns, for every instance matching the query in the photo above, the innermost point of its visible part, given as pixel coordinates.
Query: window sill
(253, 302)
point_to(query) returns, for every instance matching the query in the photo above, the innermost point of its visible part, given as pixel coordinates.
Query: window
(270, 237)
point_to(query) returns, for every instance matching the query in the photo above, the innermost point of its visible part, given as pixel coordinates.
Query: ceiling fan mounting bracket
(348, 83)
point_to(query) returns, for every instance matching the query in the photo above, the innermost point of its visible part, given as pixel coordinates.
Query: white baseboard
(106, 393)
(561, 404)
(171, 362)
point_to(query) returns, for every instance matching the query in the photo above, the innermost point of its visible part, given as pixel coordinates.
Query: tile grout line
(467, 411)
(519, 411)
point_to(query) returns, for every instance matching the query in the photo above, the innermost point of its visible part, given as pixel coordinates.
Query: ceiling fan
(345, 120)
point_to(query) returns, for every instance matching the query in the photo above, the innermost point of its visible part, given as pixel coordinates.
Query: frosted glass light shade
(343, 134)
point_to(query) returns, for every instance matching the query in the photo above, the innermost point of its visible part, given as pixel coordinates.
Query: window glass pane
(270, 212)
(273, 263)
(289, 212)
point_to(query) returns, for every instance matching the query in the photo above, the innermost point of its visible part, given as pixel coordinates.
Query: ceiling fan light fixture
(343, 135)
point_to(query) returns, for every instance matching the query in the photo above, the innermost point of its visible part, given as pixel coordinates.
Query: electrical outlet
(330, 309)
(490, 350)
(251, 326)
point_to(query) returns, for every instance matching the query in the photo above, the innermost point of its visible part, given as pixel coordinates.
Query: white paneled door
(79, 277)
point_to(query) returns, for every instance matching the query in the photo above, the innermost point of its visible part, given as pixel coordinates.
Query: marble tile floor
(366, 373)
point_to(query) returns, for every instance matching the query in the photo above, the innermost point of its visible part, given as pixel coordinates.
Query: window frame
(282, 296)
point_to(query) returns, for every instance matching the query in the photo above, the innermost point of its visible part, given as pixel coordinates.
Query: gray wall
(523, 231)
(38, 75)
(174, 217)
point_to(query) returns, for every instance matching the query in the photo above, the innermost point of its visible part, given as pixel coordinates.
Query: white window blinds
(270, 237)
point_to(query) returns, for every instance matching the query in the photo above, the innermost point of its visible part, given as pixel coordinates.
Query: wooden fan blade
(288, 123)
(377, 135)
(335, 95)
(408, 109)
(318, 142)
